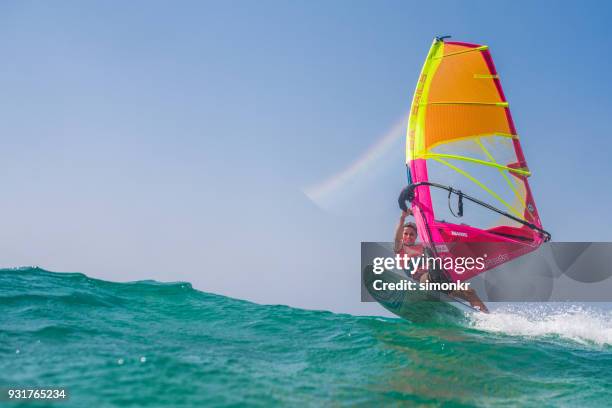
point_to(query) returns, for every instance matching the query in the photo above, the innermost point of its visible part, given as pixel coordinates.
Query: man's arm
(399, 230)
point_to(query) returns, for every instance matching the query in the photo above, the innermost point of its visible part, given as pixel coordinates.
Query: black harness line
(459, 204)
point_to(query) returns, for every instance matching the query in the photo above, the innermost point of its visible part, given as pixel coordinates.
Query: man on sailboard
(405, 244)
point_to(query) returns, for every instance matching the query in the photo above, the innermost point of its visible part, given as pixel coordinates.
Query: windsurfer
(405, 244)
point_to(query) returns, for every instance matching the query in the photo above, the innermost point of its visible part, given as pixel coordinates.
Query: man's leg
(471, 296)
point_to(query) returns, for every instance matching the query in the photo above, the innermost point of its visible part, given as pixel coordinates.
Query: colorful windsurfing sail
(467, 174)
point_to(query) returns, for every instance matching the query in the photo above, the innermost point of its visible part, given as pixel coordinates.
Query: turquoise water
(153, 344)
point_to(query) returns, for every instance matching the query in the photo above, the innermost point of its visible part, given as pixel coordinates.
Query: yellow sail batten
(521, 172)
(470, 137)
(486, 76)
(481, 48)
(501, 104)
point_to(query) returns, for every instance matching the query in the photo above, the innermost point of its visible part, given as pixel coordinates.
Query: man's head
(410, 233)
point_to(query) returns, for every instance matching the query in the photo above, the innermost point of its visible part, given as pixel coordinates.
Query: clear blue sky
(154, 139)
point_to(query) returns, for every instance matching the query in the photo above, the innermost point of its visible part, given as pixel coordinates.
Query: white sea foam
(580, 324)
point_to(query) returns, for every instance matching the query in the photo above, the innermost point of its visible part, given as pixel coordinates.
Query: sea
(153, 344)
